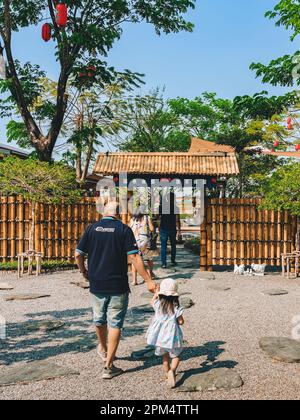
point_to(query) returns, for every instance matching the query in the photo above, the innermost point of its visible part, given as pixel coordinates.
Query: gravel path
(222, 329)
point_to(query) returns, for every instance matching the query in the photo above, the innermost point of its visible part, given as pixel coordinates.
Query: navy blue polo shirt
(107, 244)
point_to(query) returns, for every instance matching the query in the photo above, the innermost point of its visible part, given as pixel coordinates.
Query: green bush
(193, 244)
(51, 265)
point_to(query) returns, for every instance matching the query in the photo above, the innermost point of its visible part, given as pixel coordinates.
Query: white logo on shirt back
(105, 230)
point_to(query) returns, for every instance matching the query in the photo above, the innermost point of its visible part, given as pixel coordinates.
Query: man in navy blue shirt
(108, 244)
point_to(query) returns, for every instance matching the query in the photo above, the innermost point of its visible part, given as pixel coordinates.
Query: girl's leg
(166, 363)
(150, 268)
(175, 364)
(134, 275)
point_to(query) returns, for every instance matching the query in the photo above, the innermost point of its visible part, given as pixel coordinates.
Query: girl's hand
(180, 320)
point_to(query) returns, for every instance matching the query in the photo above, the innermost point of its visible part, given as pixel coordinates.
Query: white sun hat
(169, 287)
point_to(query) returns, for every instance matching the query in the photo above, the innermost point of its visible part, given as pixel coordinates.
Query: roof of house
(204, 146)
(209, 164)
(295, 155)
(6, 149)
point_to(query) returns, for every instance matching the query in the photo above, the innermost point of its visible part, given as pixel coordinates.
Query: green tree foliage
(150, 126)
(93, 28)
(281, 191)
(283, 71)
(38, 182)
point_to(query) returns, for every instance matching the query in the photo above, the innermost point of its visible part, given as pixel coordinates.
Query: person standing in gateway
(108, 244)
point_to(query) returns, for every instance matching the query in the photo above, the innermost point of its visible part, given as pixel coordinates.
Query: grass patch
(51, 265)
(193, 244)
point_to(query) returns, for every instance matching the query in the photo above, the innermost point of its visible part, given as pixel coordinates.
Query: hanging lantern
(62, 15)
(290, 126)
(297, 147)
(289, 120)
(46, 32)
(276, 143)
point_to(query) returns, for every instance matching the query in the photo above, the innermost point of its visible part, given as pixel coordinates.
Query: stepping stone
(29, 296)
(43, 325)
(213, 380)
(33, 372)
(276, 292)
(82, 284)
(143, 352)
(281, 349)
(6, 286)
(220, 288)
(186, 302)
(145, 308)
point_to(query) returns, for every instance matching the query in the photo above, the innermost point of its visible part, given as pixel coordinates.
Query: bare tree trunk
(88, 160)
(78, 164)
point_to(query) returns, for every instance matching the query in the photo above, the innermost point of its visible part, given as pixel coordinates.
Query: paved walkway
(222, 329)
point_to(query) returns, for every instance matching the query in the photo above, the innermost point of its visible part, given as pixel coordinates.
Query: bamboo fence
(235, 231)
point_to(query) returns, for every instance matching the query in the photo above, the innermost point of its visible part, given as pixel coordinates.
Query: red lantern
(91, 68)
(276, 143)
(297, 147)
(289, 120)
(214, 180)
(46, 32)
(62, 15)
(290, 126)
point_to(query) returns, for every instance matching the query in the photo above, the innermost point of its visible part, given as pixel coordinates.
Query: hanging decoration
(276, 144)
(62, 15)
(297, 147)
(46, 32)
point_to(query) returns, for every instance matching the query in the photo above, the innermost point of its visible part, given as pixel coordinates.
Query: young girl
(142, 226)
(165, 331)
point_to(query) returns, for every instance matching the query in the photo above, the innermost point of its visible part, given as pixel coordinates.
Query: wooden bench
(289, 261)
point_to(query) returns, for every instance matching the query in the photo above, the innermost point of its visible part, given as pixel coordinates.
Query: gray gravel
(222, 329)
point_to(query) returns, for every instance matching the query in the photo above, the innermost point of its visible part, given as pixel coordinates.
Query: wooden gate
(235, 231)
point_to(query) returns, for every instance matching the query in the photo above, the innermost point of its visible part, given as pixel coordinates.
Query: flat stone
(6, 286)
(212, 380)
(82, 284)
(145, 308)
(143, 352)
(29, 296)
(33, 372)
(220, 288)
(186, 302)
(276, 292)
(281, 349)
(43, 325)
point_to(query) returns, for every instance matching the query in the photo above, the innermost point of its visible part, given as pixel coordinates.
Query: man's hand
(139, 265)
(152, 287)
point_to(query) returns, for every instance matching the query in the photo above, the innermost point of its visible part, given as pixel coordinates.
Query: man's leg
(163, 251)
(114, 336)
(172, 236)
(116, 313)
(101, 332)
(100, 304)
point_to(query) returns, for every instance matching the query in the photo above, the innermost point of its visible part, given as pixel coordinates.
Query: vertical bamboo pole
(12, 226)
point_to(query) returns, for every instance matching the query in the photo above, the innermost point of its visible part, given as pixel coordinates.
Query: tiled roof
(214, 164)
(204, 146)
(295, 155)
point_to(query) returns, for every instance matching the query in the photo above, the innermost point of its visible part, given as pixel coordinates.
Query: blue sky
(228, 36)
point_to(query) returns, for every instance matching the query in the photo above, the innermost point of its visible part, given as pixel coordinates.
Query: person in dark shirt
(169, 223)
(108, 245)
